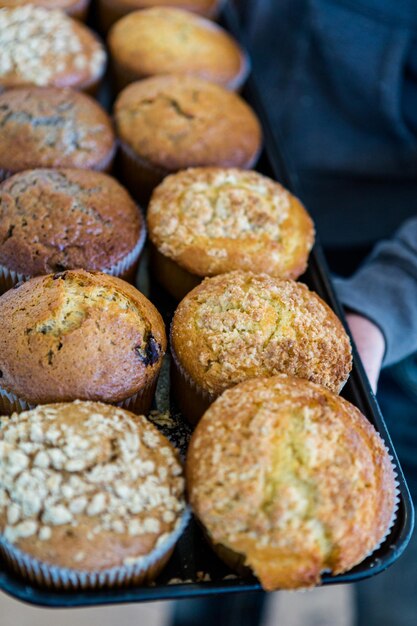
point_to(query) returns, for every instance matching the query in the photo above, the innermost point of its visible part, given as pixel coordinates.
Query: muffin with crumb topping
(242, 325)
(48, 127)
(109, 11)
(78, 335)
(164, 40)
(91, 496)
(209, 221)
(47, 48)
(289, 481)
(53, 220)
(74, 8)
(168, 123)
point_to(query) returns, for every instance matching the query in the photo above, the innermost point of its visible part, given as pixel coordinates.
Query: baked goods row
(43, 46)
(286, 478)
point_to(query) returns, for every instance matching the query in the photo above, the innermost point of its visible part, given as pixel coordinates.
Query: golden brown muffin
(169, 123)
(47, 127)
(208, 221)
(74, 8)
(78, 335)
(85, 488)
(165, 40)
(290, 480)
(53, 220)
(109, 11)
(48, 48)
(242, 325)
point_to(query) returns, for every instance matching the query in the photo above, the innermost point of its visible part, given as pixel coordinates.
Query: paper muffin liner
(176, 280)
(144, 570)
(397, 494)
(191, 398)
(125, 268)
(138, 174)
(139, 403)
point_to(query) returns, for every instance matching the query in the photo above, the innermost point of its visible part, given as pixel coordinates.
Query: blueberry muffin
(53, 220)
(78, 335)
(47, 127)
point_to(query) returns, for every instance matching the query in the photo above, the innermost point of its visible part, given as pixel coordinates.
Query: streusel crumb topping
(38, 46)
(242, 325)
(90, 467)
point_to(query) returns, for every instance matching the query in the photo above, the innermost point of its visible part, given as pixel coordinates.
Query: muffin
(242, 325)
(53, 220)
(48, 48)
(208, 221)
(47, 127)
(74, 8)
(109, 11)
(91, 496)
(290, 480)
(165, 40)
(169, 123)
(78, 335)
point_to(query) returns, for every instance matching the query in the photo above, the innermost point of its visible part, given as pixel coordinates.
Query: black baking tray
(194, 570)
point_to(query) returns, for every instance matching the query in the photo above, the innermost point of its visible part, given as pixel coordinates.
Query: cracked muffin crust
(242, 325)
(53, 220)
(78, 335)
(290, 480)
(169, 123)
(74, 8)
(47, 48)
(110, 11)
(48, 127)
(208, 221)
(88, 487)
(164, 40)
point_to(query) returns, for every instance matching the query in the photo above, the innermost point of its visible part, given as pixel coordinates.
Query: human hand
(370, 343)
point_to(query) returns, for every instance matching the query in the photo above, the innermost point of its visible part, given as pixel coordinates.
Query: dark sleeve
(385, 291)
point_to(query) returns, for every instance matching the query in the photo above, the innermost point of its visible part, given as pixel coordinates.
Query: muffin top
(243, 325)
(46, 47)
(292, 477)
(47, 127)
(212, 220)
(78, 334)
(203, 7)
(180, 121)
(165, 40)
(69, 6)
(87, 486)
(52, 220)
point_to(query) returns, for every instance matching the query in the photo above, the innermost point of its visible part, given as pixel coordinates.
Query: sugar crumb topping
(240, 325)
(38, 45)
(215, 204)
(86, 464)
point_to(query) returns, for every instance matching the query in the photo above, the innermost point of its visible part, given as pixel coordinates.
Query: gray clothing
(384, 290)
